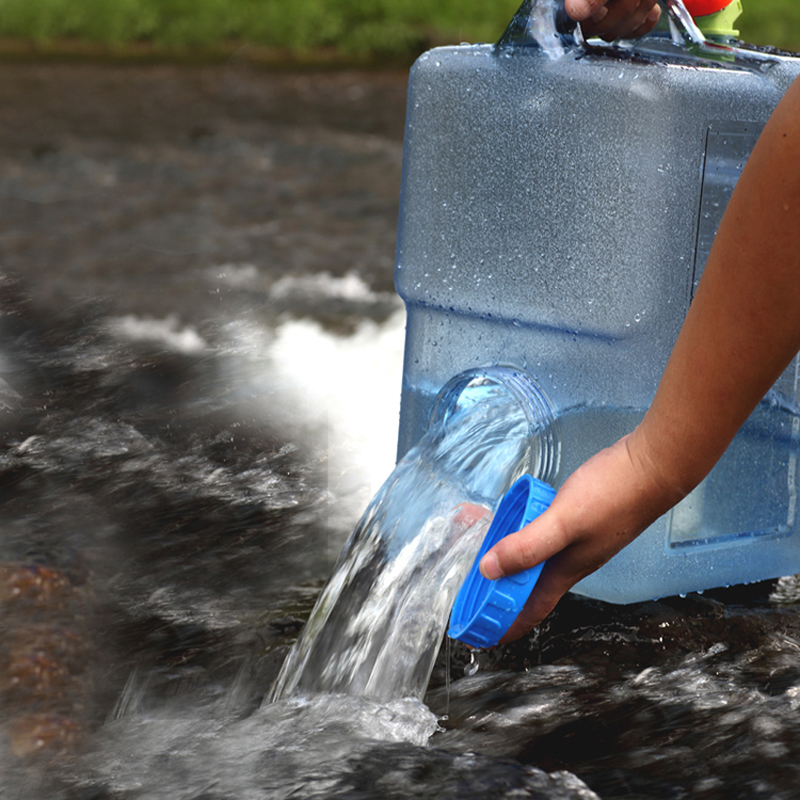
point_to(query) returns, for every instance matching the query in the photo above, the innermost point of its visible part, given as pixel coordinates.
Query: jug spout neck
(542, 437)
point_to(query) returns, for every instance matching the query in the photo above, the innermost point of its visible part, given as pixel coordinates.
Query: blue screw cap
(484, 609)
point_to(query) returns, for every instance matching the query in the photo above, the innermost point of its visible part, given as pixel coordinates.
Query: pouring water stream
(377, 626)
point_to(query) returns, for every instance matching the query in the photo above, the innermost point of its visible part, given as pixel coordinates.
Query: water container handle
(683, 23)
(545, 24)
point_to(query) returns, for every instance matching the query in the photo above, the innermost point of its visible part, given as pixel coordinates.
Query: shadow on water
(174, 489)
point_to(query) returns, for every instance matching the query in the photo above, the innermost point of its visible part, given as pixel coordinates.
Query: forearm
(743, 326)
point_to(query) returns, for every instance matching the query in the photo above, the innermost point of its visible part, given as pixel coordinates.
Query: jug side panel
(530, 236)
(642, 571)
(507, 209)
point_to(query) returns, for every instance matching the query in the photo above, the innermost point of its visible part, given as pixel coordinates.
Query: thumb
(536, 542)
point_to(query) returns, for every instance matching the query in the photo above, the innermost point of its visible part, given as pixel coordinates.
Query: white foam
(167, 332)
(338, 393)
(348, 387)
(324, 285)
(235, 276)
(295, 747)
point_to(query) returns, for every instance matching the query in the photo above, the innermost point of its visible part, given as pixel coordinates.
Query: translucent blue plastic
(484, 610)
(558, 205)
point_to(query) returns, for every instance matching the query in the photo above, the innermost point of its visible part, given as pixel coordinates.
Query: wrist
(664, 479)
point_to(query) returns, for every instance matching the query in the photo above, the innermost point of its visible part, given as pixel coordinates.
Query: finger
(468, 514)
(650, 22)
(579, 10)
(560, 574)
(643, 19)
(526, 548)
(625, 19)
(544, 598)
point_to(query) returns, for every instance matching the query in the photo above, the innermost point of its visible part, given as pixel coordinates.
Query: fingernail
(490, 567)
(599, 14)
(654, 14)
(578, 9)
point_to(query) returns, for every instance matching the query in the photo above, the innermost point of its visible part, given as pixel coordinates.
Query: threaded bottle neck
(543, 453)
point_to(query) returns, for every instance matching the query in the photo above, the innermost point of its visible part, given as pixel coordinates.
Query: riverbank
(128, 181)
(74, 50)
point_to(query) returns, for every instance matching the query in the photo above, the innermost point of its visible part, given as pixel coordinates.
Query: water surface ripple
(174, 489)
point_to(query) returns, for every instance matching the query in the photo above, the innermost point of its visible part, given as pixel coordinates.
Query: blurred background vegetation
(346, 28)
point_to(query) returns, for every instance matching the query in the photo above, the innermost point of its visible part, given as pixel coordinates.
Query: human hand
(614, 19)
(603, 506)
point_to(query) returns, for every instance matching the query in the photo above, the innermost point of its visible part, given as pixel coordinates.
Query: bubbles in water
(302, 744)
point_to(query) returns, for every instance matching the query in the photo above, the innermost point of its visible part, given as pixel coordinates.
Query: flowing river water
(200, 358)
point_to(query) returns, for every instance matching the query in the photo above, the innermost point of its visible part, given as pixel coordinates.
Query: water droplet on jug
(473, 665)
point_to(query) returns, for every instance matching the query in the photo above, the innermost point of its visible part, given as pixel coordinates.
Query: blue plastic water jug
(559, 201)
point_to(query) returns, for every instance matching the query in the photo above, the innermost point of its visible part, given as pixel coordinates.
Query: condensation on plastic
(556, 212)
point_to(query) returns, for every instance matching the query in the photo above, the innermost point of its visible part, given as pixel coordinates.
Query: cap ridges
(484, 609)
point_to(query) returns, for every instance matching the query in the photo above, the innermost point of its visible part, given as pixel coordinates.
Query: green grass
(352, 26)
(775, 22)
(355, 27)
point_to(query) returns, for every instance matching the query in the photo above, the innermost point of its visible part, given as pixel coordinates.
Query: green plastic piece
(720, 24)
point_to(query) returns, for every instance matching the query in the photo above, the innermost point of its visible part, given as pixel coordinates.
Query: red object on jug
(701, 8)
